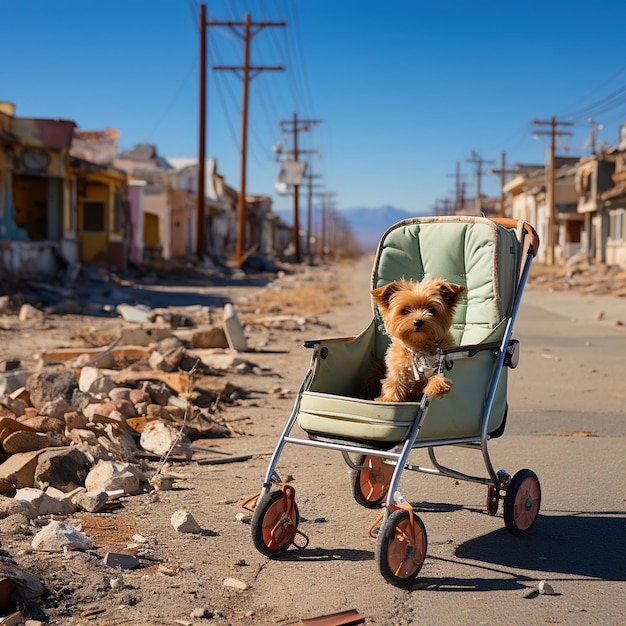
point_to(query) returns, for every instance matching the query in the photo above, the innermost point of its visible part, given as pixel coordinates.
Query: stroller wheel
(370, 485)
(401, 547)
(522, 502)
(493, 500)
(274, 524)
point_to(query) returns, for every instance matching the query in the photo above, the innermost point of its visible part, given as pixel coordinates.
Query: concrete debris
(91, 501)
(545, 588)
(112, 476)
(184, 522)
(77, 428)
(76, 424)
(27, 586)
(58, 537)
(120, 560)
(200, 613)
(28, 313)
(162, 482)
(235, 584)
(233, 329)
(44, 504)
(162, 439)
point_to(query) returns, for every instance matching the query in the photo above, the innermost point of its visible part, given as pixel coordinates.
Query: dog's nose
(417, 324)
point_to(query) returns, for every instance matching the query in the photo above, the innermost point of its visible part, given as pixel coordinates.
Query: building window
(93, 217)
(617, 226)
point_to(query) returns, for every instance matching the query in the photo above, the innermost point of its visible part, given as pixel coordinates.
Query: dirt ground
(567, 423)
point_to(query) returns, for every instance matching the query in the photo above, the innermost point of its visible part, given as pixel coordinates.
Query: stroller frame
(401, 539)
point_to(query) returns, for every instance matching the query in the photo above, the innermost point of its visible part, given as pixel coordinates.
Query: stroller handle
(509, 222)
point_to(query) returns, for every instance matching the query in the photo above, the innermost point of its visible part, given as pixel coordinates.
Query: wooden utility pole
(457, 189)
(502, 171)
(553, 132)
(248, 72)
(324, 230)
(309, 212)
(295, 126)
(479, 162)
(201, 140)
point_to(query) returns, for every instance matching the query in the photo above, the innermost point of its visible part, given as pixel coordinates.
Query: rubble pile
(580, 276)
(76, 432)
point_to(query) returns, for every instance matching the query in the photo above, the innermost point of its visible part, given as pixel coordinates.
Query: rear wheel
(493, 500)
(370, 485)
(274, 523)
(401, 547)
(522, 502)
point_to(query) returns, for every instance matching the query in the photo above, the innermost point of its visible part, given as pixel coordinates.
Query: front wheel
(274, 523)
(522, 502)
(401, 547)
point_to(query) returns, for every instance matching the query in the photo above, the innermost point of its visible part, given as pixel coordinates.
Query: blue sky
(404, 89)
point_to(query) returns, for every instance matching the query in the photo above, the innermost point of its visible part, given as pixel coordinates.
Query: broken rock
(50, 384)
(10, 506)
(57, 536)
(90, 501)
(28, 313)
(161, 438)
(19, 469)
(64, 468)
(26, 441)
(184, 522)
(120, 560)
(44, 504)
(91, 380)
(112, 476)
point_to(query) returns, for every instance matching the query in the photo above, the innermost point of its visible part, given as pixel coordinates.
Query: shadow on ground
(583, 544)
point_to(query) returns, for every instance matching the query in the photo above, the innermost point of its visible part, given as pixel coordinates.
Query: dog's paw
(438, 385)
(386, 398)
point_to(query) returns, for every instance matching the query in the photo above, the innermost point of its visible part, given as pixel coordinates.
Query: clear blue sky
(405, 89)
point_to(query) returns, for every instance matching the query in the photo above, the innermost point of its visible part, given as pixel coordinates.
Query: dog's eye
(430, 310)
(406, 310)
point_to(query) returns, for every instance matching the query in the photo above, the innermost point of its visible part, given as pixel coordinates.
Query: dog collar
(424, 366)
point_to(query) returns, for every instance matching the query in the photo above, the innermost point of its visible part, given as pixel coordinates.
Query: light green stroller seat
(477, 253)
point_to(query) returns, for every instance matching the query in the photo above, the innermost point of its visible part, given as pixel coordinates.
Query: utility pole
(593, 132)
(479, 162)
(309, 213)
(502, 171)
(201, 139)
(295, 126)
(457, 188)
(324, 230)
(248, 72)
(553, 132)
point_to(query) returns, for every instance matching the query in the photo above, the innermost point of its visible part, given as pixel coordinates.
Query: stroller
(491, 258)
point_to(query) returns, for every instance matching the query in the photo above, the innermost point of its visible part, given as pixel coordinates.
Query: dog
(417, 317)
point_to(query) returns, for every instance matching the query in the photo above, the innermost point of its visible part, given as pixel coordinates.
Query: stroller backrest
(475, 252)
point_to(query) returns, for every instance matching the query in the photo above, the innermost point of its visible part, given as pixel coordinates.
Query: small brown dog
(417, 317)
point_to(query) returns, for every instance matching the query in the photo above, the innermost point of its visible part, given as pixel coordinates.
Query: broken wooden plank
(222, 460)
(343, 618)
(177, 381)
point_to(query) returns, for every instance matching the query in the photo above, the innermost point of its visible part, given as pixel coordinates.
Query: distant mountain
(366, 224)
(369, 224)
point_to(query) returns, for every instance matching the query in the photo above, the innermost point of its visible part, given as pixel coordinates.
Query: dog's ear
(451, 293)
(382, 294)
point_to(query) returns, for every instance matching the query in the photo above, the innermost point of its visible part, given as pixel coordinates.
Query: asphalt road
(567, 402)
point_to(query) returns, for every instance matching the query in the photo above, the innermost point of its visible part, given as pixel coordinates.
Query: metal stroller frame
(401, 540)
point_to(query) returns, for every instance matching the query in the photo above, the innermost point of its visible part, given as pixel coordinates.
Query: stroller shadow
(585, 544)
(322, 554)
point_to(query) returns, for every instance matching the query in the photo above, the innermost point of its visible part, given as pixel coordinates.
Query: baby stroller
(491, 259)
